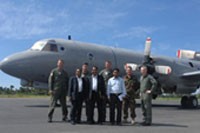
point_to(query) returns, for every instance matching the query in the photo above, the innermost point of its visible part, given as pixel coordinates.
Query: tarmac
(29, 115)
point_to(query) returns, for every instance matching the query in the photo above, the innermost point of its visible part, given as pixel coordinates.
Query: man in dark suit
(76, 94)
(85, 75)
(96, 94)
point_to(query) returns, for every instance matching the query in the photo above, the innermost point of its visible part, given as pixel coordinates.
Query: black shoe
(119, 123)
(58, 105)
(91, 122)
(64, 120)
(79, 122)
(100, 123)
(112, 123)
(145, 124)
(73, 122)
(50, 120)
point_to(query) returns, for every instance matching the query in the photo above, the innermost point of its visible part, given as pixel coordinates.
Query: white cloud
(27, 20)
(32, 18)
(160, 47)
(136, 32)
(97, 16)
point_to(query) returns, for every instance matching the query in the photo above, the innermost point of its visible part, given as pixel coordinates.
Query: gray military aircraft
(33, 66)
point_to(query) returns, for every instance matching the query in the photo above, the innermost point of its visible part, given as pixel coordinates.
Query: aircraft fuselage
(34, 65)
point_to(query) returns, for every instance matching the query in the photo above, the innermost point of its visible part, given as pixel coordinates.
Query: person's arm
(108, 88)
(101, 73)
(67, 83)
(138, 90)
(123, 88)
(128, 85)
(103, 88)
(86, 88)
(70, 87)
(154, 84)
(51, 82)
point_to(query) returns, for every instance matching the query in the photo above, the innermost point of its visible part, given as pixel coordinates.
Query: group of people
(101, 88)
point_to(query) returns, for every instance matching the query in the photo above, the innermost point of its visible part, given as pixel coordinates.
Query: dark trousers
(95, 99)
(54, 99)
(76, 108)
(104, 103)
(115, 103)
(87, 108)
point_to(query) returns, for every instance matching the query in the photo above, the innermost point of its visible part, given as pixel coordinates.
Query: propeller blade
(132, 65)
(147, 50)
(186, 54)
(166, 70)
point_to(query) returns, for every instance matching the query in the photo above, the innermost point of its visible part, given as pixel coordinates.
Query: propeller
(147, 50)
(149, 62)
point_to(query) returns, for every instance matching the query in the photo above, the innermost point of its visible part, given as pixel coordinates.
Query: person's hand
(108, 99)
(87, 99)
(103, 97)
(51, 92)
(148, 91)
(69, 98)
(126, 97)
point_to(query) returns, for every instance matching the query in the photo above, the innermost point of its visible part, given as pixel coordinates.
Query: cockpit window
(50, 47)
(38, 46)
(45, 46)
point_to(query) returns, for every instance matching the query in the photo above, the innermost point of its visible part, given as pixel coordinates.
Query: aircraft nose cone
(19, 65)
(4, 65)
(0, 65)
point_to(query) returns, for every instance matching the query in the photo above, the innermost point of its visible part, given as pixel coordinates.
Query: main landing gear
(189, 102)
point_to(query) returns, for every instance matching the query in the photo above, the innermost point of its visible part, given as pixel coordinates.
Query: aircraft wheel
(184, 102)
(193, 102)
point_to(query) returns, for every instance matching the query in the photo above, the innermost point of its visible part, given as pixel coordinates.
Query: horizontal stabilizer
(195, 74)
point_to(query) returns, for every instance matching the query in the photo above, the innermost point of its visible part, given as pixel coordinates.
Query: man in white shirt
(116, 92)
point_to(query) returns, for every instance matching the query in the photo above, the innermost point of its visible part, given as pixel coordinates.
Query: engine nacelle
(188, 54)
(34, 84)
(165, 70)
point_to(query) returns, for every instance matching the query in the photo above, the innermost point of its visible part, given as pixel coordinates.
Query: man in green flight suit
(147, 86)
(106, 73)
(132, 85)
(58, 87)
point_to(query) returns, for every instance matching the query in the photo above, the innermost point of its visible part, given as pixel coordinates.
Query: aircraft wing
(191, 75)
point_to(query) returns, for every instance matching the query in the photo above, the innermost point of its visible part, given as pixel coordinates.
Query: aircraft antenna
(69, 37)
